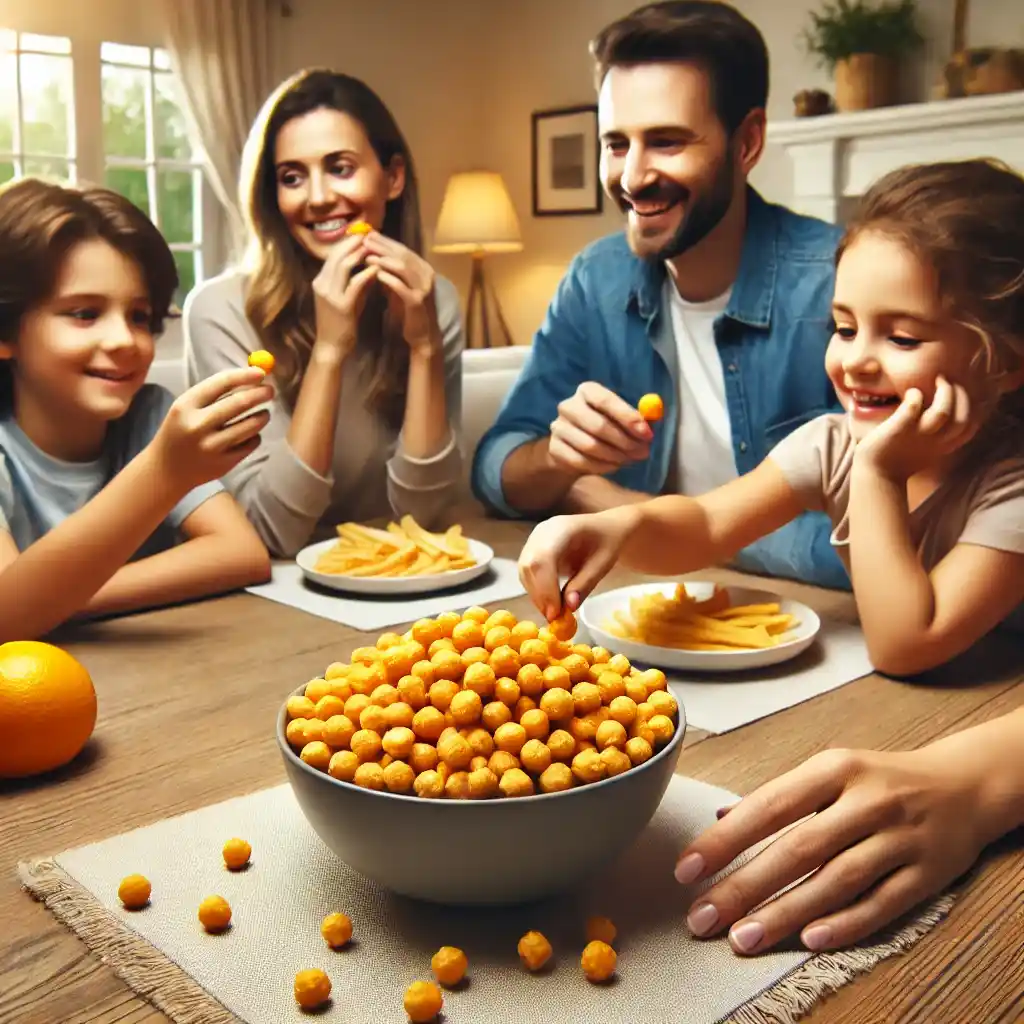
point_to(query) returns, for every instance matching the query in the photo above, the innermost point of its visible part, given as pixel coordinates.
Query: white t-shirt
(704, 455)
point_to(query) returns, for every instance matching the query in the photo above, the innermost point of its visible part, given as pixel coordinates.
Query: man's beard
(702, 216)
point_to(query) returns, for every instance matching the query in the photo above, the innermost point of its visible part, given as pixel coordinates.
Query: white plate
(385, 586)
(598, 609)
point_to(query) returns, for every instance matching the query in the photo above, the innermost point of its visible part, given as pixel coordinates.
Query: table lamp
(477, 217)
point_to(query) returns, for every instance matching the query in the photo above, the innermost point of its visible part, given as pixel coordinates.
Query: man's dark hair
(712, 35)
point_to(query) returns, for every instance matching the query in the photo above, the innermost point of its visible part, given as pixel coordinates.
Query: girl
(99, 472)
(922, 476)
(368, 339)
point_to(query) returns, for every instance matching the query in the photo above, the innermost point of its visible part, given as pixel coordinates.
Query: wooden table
(187, 703)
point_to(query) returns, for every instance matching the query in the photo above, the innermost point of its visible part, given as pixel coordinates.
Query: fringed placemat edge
(143, 967)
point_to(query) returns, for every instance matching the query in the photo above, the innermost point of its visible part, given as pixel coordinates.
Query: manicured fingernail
(818, 936)
(702, 919)
(689, 868)
(746, 937)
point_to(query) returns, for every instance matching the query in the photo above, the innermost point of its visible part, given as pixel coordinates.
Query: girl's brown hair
(965, 219)
(40, 222)
(279, 300)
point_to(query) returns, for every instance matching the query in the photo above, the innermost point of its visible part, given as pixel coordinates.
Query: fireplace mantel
(835, 157)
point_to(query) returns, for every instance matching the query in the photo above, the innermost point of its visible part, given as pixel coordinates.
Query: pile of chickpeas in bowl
(480, 705)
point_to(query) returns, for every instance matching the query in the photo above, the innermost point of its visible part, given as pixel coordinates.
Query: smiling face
(666, 159)
(893, 334)
(328, 176)
(82, 355)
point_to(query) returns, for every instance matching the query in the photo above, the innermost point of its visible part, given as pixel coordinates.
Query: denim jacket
(607, 323)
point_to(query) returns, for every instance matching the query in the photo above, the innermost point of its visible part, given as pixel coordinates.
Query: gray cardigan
(372, 476)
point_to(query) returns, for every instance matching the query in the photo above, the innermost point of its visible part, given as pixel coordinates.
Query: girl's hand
(339, 296)
(410, 279)
(914, 437)
(886, 831)
(197, 441)
(582, 547)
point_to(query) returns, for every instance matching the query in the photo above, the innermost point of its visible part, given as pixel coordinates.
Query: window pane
(6, 170)
(171, 135)
(47, 167)
(45, 44)
(46, 104)
(8, 98)
(161, 60)
(8, 40)
(124, 112)
(118, 53)
(131, 183)
(186, 262)
(174, 201)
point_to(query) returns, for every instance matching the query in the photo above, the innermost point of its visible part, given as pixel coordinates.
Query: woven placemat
(664, 975)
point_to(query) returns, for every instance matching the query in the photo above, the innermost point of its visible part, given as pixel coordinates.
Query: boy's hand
(197, 442)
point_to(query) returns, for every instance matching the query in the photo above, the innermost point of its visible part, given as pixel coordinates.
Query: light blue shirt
(37, 491)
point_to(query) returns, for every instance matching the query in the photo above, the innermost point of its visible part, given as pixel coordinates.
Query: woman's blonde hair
(279, 299)
(965, 219)
(41, 222)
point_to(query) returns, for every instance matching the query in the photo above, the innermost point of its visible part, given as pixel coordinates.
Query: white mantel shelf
(836, 157)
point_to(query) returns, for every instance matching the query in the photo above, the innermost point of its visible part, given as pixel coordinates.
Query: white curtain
(221, 52)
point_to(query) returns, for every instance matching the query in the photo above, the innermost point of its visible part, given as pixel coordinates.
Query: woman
(368, 340)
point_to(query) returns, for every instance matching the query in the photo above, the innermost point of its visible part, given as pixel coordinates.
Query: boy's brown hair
(712, 35)
(40, 222)
(965, 219)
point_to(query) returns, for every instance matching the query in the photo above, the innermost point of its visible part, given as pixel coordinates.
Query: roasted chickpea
(466, 707)
(611, 686)
(530, 678)
(535, 756)
(365, 744)
(424, 671)
(515, 782)
(587, 766)
(495, 636)
(474, 656)
(400, 714)
(316, 755)
(636, 689)
(468, 634)
(428, 724)
(447, 665)
(535, 724)
(295, 732)
(495, 715)
(557, 677)
(422, 757)
(504, 661)
(522, 631)
(447, 621)
(343, 765)
(610, 734)
(480, 679)
(577, 667)
(399, 777)
(456, 787)
(534, 951)
(455, 751)
(477, 762)
(586, 697)
(556, 778)
(534, 652)
(384, 695)
(600, 929)
(506, 689)
(429, 785)
(328, 706)
(300, 707)
(442, 692)
(623, 710)
(598, 961)
(355, 706)
(523, 706)
(481, 742)
(369, 775)
(444, 644)
(510, 737)
(374, 718)
(557, 704)
(616, 761)
(338, 732)
(398, 742)
(663, 702)
(502, 761)
(638, 750)
(562, 745)
(483, 783)
(663, 728)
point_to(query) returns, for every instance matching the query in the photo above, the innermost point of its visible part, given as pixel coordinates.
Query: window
(141, 149)
(146, 151)
(37, 108)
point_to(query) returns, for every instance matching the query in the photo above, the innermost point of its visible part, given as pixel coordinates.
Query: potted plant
(862, 43)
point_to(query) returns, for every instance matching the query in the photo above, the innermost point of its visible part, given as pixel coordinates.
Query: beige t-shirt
(371, 477)
(982, 503)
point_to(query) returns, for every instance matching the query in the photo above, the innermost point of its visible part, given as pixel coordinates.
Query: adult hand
(339, 296)
(596, 432)
(410, 279)
(885, 831)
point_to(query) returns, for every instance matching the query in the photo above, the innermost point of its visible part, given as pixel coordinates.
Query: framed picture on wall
(565, 157)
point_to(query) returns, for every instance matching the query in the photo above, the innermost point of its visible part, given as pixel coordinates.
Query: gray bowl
(474, 852)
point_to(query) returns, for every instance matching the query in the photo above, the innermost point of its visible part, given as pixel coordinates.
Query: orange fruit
(651, 407)
(263, 359)
(358, 227)
(47, 708)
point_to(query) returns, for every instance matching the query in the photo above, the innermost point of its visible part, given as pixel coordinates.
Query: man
(713, 299)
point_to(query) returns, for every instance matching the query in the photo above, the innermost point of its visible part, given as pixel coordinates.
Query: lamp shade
(477, 215)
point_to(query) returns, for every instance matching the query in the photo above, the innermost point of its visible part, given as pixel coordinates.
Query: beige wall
(541, 61)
